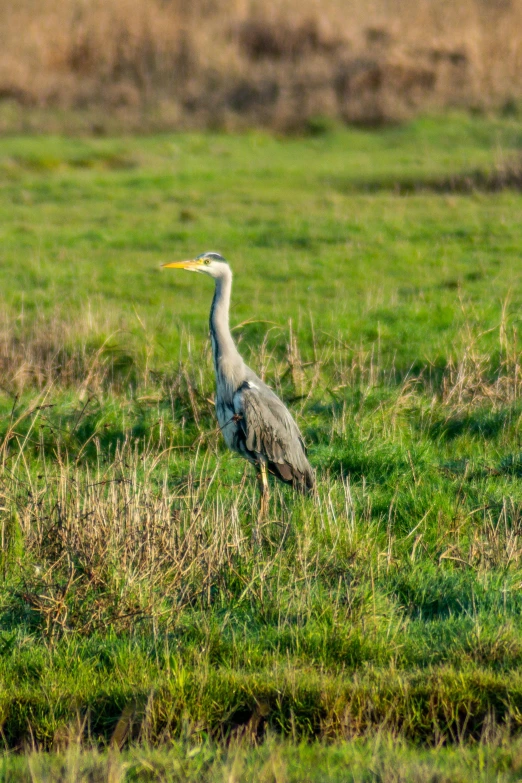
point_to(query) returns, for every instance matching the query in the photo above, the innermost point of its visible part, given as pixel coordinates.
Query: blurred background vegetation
(102, 65)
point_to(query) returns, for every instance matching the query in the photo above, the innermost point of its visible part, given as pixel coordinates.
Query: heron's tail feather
(302, 480)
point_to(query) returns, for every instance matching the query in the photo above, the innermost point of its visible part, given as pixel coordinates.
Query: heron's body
(254, 421)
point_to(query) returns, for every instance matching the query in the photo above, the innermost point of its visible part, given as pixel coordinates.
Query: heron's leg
(263, 488)
(262, 481)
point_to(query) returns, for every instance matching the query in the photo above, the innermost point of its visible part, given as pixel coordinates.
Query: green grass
(383, 759)
(133, 601)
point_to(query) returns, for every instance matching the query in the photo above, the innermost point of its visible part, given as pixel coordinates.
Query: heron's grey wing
(271, 433)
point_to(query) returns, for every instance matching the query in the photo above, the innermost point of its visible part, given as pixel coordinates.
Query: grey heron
(254, 421)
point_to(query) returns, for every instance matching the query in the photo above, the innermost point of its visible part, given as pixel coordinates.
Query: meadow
(375, 631)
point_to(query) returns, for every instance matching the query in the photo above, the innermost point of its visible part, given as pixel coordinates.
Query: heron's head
(208, 263)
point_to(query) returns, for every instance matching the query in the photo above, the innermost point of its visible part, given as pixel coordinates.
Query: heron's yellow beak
(191, 265)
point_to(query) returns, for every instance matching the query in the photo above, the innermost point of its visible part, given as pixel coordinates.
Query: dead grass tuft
(118, 545)
(479, 379)
(56, 352)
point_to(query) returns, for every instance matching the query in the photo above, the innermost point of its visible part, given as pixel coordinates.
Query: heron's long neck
(226, 355)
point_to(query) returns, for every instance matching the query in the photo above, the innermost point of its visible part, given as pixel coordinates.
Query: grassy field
(378, 288)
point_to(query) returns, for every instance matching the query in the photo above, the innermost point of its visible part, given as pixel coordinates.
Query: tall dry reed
(148, 63)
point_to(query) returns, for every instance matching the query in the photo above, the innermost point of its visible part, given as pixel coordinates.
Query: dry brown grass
(157, 64)
(146, 544)
(475, 378)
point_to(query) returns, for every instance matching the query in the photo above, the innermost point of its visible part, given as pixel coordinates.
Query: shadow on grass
(511, 465)
(435, 594)
(431, 592)
(357, 459)
(505, 177)
(483, 423)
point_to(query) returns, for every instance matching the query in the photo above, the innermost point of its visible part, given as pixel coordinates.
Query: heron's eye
(206, 261)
